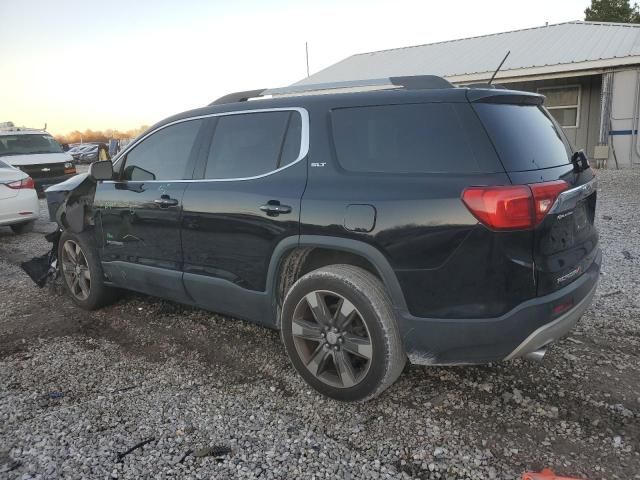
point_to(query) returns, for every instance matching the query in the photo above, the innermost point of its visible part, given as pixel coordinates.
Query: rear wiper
(580, 161)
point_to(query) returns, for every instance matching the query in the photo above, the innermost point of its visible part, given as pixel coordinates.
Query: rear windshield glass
(412, 138)
(27, 144)
(525, 136)
(4, 165)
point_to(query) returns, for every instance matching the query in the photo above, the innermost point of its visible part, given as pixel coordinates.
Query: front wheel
(81, 270)
(340, 333)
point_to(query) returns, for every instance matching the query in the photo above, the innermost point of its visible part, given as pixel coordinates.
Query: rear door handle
(165, 201)
(273, 208)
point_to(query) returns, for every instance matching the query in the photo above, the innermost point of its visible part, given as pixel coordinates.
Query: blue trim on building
(622, 132)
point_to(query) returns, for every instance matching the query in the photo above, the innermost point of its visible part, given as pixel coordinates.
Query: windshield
(525, 136)
(4, 165)
(28, 144)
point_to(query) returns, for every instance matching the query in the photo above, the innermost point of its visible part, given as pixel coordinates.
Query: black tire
(98, 294)
(372, 323)
(24, 227)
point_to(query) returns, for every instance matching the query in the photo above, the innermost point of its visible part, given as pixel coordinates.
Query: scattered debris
(124, 389)
(186, 454)
(55, 395)
(627, 255)
(135, 447)
(214, 451)
(610, 294)
(607, 217)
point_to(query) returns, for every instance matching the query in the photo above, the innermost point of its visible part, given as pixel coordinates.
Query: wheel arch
(295, 256)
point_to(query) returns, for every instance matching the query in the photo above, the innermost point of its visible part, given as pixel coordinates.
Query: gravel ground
(79, 389)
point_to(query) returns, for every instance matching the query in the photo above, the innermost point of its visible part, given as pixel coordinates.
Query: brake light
(24, 183)
(512, 207)
(545, 195)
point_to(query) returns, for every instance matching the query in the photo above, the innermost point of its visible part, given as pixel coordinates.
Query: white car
(19, 205)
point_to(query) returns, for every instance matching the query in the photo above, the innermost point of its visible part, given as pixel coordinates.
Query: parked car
(89, 152)
(36, 153)
(428, 223)
(18, 200)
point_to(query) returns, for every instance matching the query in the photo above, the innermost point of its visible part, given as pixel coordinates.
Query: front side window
(28, 144)
(251, 144)
(563, 104)
(164, 155)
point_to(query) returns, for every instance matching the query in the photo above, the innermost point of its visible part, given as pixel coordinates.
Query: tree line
(99, 135)
(621, 11)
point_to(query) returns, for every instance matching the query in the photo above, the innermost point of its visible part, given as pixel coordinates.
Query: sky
(90, 64)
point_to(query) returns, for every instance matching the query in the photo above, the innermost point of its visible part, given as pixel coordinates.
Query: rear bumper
(524, 329)
(22, 208)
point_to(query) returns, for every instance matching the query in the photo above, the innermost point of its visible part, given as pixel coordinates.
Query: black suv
(426, 222)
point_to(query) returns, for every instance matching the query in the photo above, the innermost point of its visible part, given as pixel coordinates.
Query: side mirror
(101, 170)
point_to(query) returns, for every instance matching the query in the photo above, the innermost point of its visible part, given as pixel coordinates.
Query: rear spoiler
(512, 97)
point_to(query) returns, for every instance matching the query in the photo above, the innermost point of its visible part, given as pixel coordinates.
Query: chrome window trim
(304, 145)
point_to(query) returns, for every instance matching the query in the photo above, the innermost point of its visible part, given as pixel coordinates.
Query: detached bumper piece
(45, 267)
(545, 474)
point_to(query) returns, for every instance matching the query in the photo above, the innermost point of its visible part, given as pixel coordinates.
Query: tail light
(69, 168)
(24, 183)
(513, 207)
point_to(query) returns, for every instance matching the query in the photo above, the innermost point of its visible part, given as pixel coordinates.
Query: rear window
(412, 138)
(525, 136)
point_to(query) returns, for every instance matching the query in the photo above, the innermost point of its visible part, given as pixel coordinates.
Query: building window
(564, 104)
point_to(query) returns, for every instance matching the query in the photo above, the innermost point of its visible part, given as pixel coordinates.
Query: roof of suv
(354, 99)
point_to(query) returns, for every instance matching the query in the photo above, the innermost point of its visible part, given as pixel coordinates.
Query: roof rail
(239, 96)
(414, 82)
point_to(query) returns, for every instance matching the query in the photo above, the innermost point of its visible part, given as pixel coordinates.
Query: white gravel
(79, 388)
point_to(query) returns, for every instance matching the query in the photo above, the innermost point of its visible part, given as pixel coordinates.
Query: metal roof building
(589, 71)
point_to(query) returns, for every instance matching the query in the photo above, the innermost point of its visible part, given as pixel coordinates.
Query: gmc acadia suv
(425, 222)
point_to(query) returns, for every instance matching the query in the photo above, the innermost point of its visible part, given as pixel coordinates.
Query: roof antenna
(306, 49)
(499, 67)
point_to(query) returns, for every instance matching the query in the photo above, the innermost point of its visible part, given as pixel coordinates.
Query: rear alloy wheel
(340, 333)
(331, 338)
(76, 270)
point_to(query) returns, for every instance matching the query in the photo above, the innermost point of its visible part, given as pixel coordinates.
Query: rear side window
(251, 144)
(164, 155)
(525, 136)
(412, 138)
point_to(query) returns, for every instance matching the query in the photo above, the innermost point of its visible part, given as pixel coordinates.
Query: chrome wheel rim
(331, 339)
(75, 268)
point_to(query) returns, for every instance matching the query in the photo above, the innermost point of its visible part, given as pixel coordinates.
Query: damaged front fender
(71, 201)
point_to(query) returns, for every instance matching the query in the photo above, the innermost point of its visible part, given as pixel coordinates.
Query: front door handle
(273, 208)
(165, 201)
